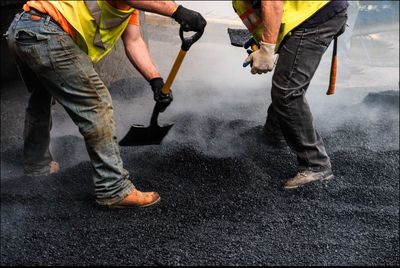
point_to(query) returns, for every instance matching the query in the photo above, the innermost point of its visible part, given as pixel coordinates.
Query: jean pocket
(27, 37)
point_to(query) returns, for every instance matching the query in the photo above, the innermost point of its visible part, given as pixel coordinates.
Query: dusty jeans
(52, 66)
(289, 114)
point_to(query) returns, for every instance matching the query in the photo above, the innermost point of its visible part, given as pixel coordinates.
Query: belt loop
(48, 18)
(19, 15)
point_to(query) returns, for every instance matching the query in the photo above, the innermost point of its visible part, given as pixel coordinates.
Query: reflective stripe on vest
(95, 10)
(251, 18)
(99, 24)
(294, 13)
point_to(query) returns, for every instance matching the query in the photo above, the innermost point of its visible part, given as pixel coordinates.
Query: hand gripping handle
(189, 41)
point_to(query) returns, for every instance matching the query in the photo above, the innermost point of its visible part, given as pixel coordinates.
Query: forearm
(272, 12)
(139, 55)
(166, 8)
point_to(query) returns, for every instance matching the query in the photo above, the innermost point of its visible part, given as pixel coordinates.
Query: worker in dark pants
(300, 31)
(55, 44)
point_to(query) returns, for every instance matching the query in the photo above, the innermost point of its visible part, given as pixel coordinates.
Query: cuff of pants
(37, 170)
(115, 200)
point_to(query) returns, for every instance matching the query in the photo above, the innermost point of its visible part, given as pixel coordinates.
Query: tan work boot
(307, 176)
(138, 199)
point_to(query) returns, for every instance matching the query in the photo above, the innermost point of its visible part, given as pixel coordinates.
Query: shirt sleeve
(135, 18)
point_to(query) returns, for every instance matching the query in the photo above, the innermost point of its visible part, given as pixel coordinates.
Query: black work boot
(307, 176)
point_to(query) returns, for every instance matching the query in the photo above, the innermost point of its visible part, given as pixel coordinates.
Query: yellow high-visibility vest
(294, 13)
(99, 24)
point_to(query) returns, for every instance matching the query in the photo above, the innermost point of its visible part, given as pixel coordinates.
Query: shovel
(153, 134)
(241, 37)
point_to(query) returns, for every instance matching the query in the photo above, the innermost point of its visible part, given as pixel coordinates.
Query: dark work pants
(289, 113)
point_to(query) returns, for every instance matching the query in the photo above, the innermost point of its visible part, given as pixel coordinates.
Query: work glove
(162, 100)
(191, 21)
(262, 60)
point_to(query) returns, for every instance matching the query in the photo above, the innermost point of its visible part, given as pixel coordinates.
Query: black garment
(289, 113)
(326, 13)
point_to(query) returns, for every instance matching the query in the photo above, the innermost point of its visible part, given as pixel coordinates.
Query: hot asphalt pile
(221, 199)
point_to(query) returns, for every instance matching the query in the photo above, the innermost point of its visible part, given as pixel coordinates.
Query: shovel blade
(239, 37)
(139, 135)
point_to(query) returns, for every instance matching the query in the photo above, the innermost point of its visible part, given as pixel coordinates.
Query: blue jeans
(53, 66)
(289, 114)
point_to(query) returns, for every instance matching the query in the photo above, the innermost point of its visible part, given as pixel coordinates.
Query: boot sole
(143, 206)
(328, 178)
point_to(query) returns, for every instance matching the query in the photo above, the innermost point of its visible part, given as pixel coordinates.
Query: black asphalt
(221, 199)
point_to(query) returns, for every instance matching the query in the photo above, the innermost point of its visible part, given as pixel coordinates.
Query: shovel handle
(175, 68)
(332, 79)
(187, 42)
(154, 115)
(167, 86)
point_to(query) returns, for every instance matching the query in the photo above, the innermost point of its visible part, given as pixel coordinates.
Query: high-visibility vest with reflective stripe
(99, 24)
(294, 13)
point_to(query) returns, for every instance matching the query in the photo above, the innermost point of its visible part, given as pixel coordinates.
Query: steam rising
(217, 101)
(214, 207)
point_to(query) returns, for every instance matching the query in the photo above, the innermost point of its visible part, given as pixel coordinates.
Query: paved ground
(219, 182)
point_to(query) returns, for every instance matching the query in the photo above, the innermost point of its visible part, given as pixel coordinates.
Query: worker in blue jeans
(55, 44)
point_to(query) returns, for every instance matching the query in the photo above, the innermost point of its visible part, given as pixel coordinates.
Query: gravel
(221, 199)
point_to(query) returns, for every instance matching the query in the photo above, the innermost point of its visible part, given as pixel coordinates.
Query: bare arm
(138, 52)
(272, 12)
(166, 8)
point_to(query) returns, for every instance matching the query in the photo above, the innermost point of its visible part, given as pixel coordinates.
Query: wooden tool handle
(332, 79)
(174, 71)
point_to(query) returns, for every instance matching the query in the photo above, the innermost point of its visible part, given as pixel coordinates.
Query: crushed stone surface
(221, 199)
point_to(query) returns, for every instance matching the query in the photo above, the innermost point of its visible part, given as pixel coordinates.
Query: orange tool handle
(332, 80)
(254, 47)
(172, 74)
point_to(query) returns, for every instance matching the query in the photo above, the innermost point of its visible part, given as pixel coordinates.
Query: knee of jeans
(278, 94)
(97, 133)
(100, 126)
(284, 95)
